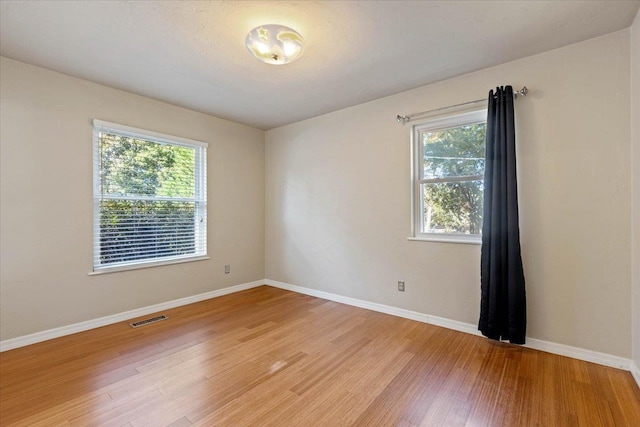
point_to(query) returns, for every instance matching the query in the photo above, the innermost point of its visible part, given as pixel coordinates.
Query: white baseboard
(635, 371)
(580, 353)
(115, 318)
(549, 347)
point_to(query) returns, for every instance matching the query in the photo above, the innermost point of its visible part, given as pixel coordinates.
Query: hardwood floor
(271, 357)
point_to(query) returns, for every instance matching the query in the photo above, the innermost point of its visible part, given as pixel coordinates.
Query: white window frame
(200, 195)
(417, 202)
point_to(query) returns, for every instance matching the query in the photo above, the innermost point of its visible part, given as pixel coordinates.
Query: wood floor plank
(270, 357)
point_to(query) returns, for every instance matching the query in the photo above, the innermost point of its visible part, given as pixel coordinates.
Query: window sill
(446, 239)
(148, 264)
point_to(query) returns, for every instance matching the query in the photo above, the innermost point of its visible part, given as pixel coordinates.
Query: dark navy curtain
(503, 312)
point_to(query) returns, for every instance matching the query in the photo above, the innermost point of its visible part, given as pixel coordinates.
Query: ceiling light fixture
(275, 44)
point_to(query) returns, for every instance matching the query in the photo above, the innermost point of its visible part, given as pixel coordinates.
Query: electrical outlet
(227, 269)
(401, 286)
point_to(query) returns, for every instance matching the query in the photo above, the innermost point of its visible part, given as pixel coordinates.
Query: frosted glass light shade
(275, 44)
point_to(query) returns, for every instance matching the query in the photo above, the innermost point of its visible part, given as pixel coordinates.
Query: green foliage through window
(453, 168)
(148, 206)
(130, 166)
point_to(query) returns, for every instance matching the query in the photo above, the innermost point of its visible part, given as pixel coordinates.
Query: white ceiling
(192, 53)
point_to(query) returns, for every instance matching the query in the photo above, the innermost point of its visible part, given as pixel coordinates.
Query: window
(149, 198)
(448, 177)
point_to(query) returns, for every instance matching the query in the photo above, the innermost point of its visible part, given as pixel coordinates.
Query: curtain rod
(403, 118)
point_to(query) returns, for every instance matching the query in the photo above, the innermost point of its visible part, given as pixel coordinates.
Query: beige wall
(635, 210)
(46, 202)
(338, 199)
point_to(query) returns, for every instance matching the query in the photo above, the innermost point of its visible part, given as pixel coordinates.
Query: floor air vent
(148, 321)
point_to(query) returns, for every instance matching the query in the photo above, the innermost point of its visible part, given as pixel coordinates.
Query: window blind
(150, 197)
